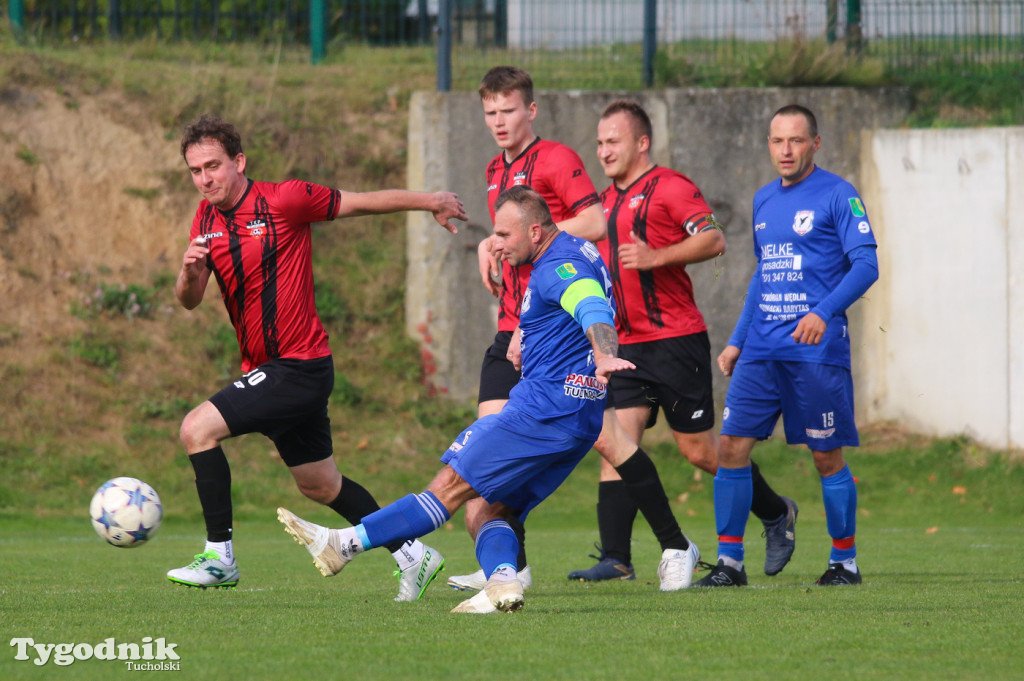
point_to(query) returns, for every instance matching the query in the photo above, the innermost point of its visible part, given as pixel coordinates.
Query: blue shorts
(815, 401)
(515, 460)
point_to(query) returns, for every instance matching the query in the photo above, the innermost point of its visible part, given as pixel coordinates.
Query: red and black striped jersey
(555, 172)
(662, 207)
(261, 256)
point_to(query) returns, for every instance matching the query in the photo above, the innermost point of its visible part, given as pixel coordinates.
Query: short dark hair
(532, 206)
(504, 80)
(641, 122)
(212, 127)
(796, 109)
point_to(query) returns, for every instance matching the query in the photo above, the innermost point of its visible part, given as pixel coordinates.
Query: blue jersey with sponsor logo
(802, 235)
(558, 386)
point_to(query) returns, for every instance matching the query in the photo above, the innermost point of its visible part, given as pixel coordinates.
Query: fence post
(317, 31)
(114, 25)
(444, 46)
(853, 27)
(650, 40)
(501, 23)
(831, 19)
(16, 13)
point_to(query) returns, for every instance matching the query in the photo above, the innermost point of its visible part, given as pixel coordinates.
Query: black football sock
(616, 512)
(765, 503)
(644, 484)
(354, 502)
(213, 483)
(517, 527)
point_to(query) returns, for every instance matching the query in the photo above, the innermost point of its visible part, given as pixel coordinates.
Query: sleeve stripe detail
(577, 291)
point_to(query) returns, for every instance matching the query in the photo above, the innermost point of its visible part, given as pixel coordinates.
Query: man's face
(618, 149)
(512, 242)
(510, 121)
(218, 177)
(792, 147)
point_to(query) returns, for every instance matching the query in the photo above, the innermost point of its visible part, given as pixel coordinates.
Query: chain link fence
(573, 43)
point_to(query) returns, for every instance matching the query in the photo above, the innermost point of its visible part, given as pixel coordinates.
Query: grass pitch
(941, 542)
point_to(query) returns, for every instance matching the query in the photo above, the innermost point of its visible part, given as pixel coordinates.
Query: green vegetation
(939, 533)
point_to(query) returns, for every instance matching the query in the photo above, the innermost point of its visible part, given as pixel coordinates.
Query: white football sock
(223, 549)
(410, 554)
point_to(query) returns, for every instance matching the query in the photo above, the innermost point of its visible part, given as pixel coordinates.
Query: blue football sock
(412, 516)
(496, 546)
(734, 490)
(839, 492)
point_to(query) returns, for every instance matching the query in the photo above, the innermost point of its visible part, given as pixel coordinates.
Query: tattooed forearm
(604, 339)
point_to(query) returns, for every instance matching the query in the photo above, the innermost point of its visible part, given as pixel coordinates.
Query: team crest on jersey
(566, 271)
(257, 228)
(635, 201)
(803, 222)
(519, 178)
(526, 302)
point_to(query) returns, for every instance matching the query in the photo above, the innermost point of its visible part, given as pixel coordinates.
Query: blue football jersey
(802, 234)
(558, 386)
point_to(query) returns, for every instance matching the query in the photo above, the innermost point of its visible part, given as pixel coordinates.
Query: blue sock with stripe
(496, 546)
(734, 490)
(839, 492)
(412, 516)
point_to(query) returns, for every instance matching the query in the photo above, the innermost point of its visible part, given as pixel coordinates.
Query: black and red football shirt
(662, 207)
(261, 256)
(555, 172)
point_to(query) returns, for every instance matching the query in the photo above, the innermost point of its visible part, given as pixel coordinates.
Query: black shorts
(286, 400)
(497, 375)
(675, 374)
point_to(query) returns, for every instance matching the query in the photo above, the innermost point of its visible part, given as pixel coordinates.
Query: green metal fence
(571, 43)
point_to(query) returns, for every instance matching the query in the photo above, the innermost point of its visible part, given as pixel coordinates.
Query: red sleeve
(308, 202)
(690, 211)
(570, 182)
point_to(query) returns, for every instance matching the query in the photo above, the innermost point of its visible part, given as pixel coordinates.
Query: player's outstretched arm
(445, 206)
(191, 283)
(605, 342)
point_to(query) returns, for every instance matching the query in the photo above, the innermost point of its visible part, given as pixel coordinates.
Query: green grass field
(940, 536)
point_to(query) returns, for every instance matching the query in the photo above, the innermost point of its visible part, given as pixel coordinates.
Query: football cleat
(330, 553)
(207, 571)
(676, 568)
(477, 581)
(606, 568)
(837, 575)
(780, 539)
(723, 575)
(415, 579)
(504, 596)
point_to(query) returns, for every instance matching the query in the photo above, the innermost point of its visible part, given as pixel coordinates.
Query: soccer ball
(126, 512)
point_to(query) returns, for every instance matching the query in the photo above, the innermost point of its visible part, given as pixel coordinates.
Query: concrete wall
(942, 333)
(717, 137)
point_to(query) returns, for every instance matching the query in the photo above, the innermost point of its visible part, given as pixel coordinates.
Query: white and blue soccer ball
(126, 512)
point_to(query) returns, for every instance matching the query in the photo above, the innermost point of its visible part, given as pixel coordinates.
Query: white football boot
(414, 580)
(676, 568)
(476, 581)
(207, 571)
(330, 552)
(506, 596)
